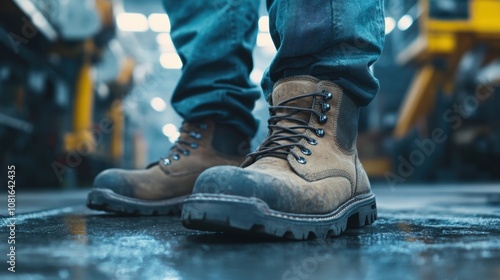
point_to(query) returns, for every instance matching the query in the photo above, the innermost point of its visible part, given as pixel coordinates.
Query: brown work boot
(162, 186)
(304, 180)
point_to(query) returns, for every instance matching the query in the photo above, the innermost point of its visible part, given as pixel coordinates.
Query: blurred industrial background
(86, 85)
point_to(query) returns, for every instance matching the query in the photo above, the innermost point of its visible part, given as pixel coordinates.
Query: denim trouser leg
(335, 40)
(215, 40)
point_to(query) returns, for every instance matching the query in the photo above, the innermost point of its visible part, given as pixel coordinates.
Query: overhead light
(264, 24)
(165, 42)
(170, 130)
(390, 24)
(133, 22)
(264, 40)
(159, 22)
(170, 61)
(405, 22)
(158, 104)
(163, 39)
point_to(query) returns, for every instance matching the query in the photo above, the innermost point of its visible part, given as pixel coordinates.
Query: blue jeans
(336, 40)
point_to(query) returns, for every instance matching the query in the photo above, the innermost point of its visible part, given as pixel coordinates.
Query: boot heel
(365, 215)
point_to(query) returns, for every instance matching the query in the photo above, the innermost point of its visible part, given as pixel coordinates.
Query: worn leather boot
(304, 180)
(162, 186)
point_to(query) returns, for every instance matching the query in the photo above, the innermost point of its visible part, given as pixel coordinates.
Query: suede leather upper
(332, 173)
(163, 181)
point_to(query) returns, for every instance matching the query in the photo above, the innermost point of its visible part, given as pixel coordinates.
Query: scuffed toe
(115, 180)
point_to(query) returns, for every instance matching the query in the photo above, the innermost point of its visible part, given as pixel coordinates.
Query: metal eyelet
(306, 152)
(312, 141)
(325, 107)
(194, 145)
(166, 162)
(195, 135)
(320, 132)
(186, 152)
(176, 157)
(327, 95)
(301, 160)
(322, 119)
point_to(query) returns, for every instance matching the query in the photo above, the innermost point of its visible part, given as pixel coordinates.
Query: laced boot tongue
(291, 109)
(288, 90)
(190, 133)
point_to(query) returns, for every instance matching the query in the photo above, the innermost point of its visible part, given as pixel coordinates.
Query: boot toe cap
(113, 179)
(231, 180)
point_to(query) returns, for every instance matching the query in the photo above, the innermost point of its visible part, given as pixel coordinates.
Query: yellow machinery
(445, 40)
(52, 69)
(81, 139)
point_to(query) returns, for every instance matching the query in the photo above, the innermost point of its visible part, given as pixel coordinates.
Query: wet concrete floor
(423, 232)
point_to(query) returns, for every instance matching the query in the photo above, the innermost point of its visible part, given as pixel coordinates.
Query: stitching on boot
(327, 174)
(355, 189)
(316, 176)
(344, 206)
(252, 201)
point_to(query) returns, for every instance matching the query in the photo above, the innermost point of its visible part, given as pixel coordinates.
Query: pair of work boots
(304, 181)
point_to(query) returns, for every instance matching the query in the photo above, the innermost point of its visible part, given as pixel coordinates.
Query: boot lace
(283, 139)
(183, 144)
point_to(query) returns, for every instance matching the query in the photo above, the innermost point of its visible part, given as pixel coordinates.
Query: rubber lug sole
(242, 215)
(107, 200)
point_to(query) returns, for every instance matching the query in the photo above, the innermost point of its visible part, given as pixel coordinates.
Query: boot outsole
(241, 215)
(107, 200)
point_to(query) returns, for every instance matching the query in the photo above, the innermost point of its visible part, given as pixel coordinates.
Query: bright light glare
(170, 61)
(264, 24)
(405, 22)
(256, 76)
(132, 22)
(171, 132)
(165, 43)
(264, 40)
(163, 39)
(159, 22)
(390, 23)
(158, 104)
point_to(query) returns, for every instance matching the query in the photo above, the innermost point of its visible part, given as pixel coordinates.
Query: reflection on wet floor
(436, 234)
